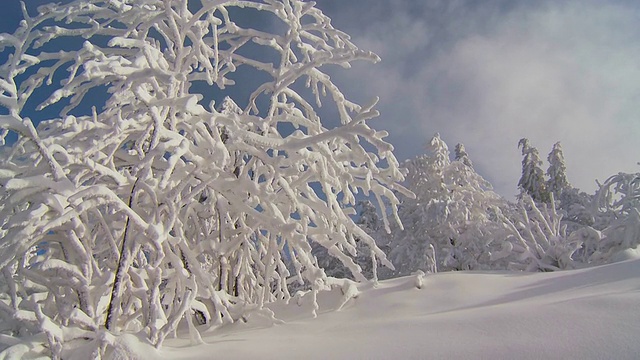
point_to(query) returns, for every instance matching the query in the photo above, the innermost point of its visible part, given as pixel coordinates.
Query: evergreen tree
(557, 181)
(439, 153)
(462, 156)
(574, 205)
(532, 181)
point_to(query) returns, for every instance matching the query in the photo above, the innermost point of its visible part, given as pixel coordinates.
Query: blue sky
(486, 73)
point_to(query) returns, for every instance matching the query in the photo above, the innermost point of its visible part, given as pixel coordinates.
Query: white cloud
(486, 76)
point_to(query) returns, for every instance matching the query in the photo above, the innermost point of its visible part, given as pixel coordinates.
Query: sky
(487, 73)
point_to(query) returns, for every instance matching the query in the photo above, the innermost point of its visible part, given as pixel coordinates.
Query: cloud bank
(489, 73)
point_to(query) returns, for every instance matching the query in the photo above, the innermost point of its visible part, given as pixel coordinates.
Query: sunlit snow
(579, 314)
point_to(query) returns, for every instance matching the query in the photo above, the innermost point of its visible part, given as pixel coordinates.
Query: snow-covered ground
(591, 313)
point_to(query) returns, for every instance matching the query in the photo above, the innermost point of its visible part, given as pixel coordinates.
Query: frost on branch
(159, 206)
(617, 204)
(536, 239)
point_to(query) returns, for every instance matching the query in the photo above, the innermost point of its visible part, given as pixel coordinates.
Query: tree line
(457, 222)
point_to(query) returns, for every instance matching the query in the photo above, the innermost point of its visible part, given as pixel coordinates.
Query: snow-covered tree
(532, 181)
(536, 239)
(601, 226)
(617, 207)
(557, 181)
(574, 205)
(368, 216)
(369, 221)
(577, 209)
(410, 247)
(576, 230)
(619, 195)
(462, 156)
(449, 225)
(133, 215)
(610, 220)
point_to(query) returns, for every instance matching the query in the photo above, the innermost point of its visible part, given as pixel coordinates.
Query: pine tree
(557, 181)
(439, 152)
(532, 181)
(462, 156)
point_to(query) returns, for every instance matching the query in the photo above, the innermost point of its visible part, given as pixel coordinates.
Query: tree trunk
(122, 269)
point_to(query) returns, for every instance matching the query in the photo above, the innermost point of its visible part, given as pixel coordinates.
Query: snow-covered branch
(193, 208)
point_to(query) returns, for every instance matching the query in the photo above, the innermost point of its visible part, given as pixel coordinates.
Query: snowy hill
(581, 314)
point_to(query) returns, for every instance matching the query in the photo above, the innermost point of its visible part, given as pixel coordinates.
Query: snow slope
(591, 313)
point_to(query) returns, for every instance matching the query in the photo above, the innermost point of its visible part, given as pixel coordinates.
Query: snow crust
(577, 314)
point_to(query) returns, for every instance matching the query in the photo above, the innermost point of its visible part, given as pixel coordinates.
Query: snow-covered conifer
(462, 156)
(135, 214)
(532, 181)
(557, 172)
